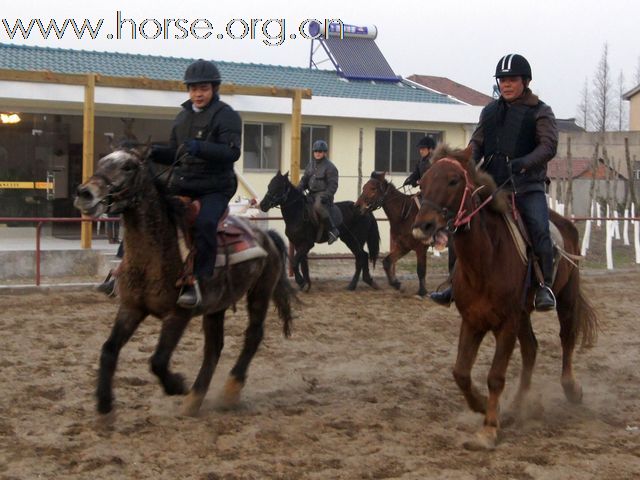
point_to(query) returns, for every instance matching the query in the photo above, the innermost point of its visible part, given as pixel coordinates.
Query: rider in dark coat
(205, 140)
(425, 146)
(514, 140)
(321, 179)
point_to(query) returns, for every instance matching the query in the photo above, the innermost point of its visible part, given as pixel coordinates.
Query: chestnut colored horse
(489, 284)
(124, 183)
(401, 210)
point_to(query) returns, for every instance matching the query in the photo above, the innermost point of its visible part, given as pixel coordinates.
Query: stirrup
(332, 237)
(544, 300)
(190, 296)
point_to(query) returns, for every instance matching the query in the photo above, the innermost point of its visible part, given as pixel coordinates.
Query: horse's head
(445, 191)
(277, 191)
(112, 188)
(373, 192)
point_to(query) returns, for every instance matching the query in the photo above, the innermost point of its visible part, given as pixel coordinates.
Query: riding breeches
(212, 207)
(322, 206)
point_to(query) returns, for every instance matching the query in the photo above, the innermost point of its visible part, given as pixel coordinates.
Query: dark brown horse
(489, 284)
(401, 210)
(152, 264)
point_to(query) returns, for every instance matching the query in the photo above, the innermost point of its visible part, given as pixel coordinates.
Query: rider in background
(206, 139)
(425, 146)
(515, 139)
(321, 179)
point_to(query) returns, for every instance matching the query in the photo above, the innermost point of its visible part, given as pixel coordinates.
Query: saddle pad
(236, 243)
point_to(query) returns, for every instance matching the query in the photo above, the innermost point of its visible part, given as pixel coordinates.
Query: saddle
(314, 218)
(236, 242)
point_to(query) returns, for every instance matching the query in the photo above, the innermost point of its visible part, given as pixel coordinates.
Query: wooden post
(360, 163)
(87, 147)
(296, 127)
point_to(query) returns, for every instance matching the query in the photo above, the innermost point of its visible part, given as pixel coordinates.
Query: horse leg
(468, 345)
(257, 305)
(173, 327)
(366, 274)
(304, 264)
(126, 323)
(213, 326)
(297, 258)
(359, 255)
(567, 312)
(421, 269)
(528, 351)
(389, 264)
(487, 437)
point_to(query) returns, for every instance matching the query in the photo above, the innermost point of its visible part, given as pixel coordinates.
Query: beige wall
(343, 151)
(634, 112)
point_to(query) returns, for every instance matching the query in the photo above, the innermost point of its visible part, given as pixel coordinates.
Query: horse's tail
(373, 239)
(586, 321)
(284, 292)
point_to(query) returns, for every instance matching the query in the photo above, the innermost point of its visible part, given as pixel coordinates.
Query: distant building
(453, 89)
(633, 96)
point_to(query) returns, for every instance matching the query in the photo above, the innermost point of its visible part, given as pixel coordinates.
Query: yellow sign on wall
(27, 185)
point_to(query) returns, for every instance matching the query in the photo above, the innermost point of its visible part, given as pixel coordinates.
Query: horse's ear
(466, 155)
(286, 174)
(145, 149)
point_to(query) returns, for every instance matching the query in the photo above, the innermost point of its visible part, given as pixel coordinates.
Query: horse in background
(124, 184)
(401, 210)
(302, 230)
(490, 284)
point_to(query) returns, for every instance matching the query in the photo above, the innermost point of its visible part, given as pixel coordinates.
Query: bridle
(281, 199)
(379, 201)
(116, 193)
(461, 217)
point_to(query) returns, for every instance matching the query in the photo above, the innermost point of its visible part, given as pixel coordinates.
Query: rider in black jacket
(205, 141)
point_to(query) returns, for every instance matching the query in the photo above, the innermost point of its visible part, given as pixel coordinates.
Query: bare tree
(584, 108)
(630, 174)
(602, 93)
(637, 79)
(568, 191)
(622, 105)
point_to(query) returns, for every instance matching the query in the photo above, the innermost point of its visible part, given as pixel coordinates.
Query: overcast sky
(458, 39)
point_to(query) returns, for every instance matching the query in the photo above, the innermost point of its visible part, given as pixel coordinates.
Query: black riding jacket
(219, 127)
(518, 137)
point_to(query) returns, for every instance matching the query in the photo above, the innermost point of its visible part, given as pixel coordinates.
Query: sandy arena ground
(363, 390)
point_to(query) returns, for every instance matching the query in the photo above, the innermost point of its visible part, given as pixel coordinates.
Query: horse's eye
(128, 167)
(453, 182)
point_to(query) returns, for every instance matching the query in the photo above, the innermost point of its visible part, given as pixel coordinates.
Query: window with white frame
(308, 135)
(261, 146)
(396, 150)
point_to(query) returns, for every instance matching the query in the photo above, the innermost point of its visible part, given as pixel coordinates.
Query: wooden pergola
(92, 80)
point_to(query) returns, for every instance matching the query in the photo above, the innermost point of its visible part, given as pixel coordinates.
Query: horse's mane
(380, 177)
(500, 202)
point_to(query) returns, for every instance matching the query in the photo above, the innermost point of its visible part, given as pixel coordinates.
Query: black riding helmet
(202, 71)
(320, 146)
(513, 65)
(426, 142)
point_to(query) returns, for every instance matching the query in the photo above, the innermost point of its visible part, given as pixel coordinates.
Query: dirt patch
(362, 390)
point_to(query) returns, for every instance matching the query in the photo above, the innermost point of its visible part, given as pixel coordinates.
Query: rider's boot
(444, 298)
(544, 299)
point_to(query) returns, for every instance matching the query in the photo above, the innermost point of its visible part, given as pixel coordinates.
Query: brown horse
(401, 210)
(123, 183)
(490, 281)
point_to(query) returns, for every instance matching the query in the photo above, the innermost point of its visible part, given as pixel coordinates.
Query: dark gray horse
(152, 264)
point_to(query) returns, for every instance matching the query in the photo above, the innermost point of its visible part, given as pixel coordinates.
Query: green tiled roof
(323, 83)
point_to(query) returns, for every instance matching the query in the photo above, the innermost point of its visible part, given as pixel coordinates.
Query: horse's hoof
(231, 393)
(372, 284)
(105, 405)
(351, 287)
(191, 405)
(572, 391)
(175, 385)
(485, 439)
(396, 285)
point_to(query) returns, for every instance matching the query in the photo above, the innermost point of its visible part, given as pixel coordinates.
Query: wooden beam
(144, 83)
(87, 147)
(296, 127)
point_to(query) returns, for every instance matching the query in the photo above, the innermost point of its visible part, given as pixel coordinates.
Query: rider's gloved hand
(193, 147)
